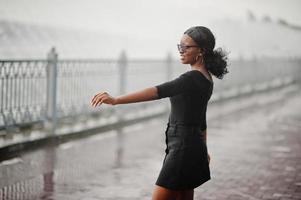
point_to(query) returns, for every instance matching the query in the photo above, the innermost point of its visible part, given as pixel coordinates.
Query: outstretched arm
(146, 94)
(174, 87)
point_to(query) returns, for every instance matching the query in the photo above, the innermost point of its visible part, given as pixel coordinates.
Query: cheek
(190, 56)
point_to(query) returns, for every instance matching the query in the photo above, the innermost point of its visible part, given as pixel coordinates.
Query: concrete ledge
(14, 149)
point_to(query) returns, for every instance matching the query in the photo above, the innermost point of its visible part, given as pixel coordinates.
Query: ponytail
(216, 62)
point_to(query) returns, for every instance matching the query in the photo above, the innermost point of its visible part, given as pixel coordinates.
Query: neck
(198, 66)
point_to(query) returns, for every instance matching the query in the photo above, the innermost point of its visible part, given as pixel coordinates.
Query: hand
(208, 158)
(102, 97)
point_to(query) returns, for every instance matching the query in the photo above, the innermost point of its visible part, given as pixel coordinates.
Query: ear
(201, 51)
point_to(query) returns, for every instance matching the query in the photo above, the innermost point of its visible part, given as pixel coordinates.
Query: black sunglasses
(183, 48)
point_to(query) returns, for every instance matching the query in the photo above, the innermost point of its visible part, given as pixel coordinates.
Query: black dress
(185, 165)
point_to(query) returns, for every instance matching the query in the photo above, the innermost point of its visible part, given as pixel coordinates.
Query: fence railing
(46, 91)
(23, 87)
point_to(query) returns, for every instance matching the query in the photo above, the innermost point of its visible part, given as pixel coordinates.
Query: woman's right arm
(146, 94)
(176, 86)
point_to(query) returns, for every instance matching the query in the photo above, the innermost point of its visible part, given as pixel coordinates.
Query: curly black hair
(216, 62)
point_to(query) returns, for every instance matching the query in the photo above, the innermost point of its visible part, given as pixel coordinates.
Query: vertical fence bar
(51, 74)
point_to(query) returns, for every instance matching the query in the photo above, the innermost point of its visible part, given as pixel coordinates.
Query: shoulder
(187, 74)
(190, 73)
(200, 77)
(186, 77)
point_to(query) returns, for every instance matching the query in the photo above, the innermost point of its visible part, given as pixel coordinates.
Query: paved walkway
(254, 143)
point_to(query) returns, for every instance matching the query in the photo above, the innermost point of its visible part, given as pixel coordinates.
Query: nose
(181, 51)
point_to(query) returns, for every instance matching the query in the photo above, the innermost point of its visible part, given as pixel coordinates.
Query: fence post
(51, 73)
(169, 69)
(122, 67)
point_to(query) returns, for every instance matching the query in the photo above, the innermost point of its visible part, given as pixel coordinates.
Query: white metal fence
(48, 90)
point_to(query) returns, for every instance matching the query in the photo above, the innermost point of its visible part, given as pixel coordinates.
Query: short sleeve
(174, 87)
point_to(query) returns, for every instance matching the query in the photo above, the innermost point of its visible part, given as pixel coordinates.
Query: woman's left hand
(102, 97)
(208, 158)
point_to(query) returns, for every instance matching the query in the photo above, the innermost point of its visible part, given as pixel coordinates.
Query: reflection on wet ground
(254, 144)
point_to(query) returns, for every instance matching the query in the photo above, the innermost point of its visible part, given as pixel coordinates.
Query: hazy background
(146, 29)
(257, 111)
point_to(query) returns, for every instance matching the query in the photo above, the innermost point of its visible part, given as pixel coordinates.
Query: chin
(184, 62)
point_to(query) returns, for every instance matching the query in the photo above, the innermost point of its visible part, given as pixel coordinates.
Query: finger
(92, 102)
(105, 98)
(99, 103)
(97, 98)
(97, 95)
(100, 95)
(95, 101)
(93, 97)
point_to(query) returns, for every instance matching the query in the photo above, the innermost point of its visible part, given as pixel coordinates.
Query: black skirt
(185, 164)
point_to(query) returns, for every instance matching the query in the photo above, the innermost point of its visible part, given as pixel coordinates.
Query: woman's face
(188, 50)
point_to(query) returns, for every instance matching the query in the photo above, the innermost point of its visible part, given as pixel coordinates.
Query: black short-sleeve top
(189, 95)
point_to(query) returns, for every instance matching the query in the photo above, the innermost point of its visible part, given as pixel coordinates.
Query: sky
(141, 15)
(147, 20)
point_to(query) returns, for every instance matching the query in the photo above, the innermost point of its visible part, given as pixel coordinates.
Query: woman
(186, 162)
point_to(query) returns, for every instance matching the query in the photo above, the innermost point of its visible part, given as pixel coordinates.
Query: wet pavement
(254, 143)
